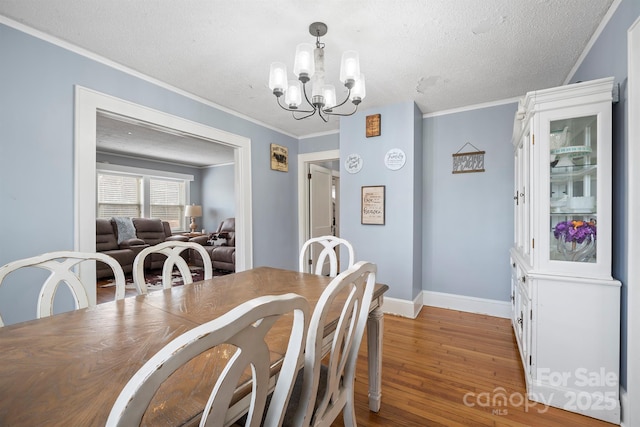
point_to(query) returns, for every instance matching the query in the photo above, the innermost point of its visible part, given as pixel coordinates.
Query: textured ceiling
(118, 135)
(442, 54)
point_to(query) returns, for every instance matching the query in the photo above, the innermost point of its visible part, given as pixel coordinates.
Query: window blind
(119, 195)
(167, 200)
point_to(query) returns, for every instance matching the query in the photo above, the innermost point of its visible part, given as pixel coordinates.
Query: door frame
(631, 399)
(87, 104)
(303, 192)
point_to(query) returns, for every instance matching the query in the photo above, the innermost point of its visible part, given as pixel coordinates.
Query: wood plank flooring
(431, 363)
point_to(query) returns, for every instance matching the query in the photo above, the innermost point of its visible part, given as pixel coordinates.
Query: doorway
(318, 197)
(88, 104)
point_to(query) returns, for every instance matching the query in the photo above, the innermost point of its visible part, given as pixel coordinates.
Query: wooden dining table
(68, 369)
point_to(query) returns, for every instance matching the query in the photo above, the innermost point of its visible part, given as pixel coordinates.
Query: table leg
(375, 324)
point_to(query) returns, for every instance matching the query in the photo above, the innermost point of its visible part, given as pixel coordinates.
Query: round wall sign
(353, 163)
(395, 159)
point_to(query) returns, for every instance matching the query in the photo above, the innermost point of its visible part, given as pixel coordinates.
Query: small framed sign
(373, 125)
(372, 205)
(279, 158)
(468, 162)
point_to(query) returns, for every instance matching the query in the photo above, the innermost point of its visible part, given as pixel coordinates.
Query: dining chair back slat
(327, 389)
(62, 266)
(245, 328)
(319, 258)
(172, 250)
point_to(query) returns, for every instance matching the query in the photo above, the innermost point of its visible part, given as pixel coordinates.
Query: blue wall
(36, 159)
(391, 246)
(218, 195)
(324, 142)
(468, 224)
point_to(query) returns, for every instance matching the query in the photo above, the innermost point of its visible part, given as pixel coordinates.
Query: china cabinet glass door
(573, 150)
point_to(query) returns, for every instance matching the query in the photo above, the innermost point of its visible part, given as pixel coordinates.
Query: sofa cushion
(105, 236)
(126, 230)
(151, 230)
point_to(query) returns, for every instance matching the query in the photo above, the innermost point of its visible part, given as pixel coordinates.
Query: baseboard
(402, 307)
(467, 304)
(624, 406)
(411, 309)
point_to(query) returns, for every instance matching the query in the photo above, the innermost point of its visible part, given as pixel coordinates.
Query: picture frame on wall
(279, 158)
(372, 205)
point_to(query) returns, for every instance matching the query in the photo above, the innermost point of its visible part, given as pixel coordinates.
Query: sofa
(221, 246)
(147, 232)
(107, 243)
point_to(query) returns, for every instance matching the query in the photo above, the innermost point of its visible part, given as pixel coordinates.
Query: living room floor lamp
(193, 211)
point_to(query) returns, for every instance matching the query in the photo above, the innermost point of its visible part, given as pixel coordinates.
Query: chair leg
(349, 412)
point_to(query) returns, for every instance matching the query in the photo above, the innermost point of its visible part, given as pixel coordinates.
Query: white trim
(631, 408)
(95, 57)
(164, 162)
(401, 307)
(130, 170)
(624, 402)
(303, 191)
(468, 304)
(472, 107)
(592, 40)
(317, 134)
(87, 104)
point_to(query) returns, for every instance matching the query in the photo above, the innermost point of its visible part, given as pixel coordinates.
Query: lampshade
(193, 210)
(329, 93)
(359, 91)
(293, 95)
(278, 77)
(349, 66)
(304, 62)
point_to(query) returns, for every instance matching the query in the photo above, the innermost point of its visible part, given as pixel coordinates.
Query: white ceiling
(121, 136)
(441, 54)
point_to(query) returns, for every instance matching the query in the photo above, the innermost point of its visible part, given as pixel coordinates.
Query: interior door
(320, 206)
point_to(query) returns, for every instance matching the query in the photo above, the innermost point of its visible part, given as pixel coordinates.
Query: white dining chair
(172, 250)
(61, 265)
(323, 390)
(244, 327)
(316, 258)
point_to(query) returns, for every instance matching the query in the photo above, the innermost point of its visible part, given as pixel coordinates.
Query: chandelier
(309, 66)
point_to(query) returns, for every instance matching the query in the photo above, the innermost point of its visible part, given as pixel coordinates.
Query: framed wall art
(372, 205)
(279, 158)
(373, 125)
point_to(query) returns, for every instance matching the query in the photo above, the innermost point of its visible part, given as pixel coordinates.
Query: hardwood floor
(431, 363)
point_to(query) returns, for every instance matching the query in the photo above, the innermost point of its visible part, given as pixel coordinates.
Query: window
(136, 192)
(119, 195)
(167, 200)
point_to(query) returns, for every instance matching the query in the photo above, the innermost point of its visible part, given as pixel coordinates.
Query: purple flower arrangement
(575, 231)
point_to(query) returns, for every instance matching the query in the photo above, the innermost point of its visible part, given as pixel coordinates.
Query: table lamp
(193, 211)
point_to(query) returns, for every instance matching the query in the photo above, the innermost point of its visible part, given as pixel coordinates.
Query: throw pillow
(125, 227)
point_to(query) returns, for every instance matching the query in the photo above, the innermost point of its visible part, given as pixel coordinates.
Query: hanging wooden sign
(472, 161)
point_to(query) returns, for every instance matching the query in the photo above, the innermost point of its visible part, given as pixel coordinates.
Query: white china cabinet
(566, 306)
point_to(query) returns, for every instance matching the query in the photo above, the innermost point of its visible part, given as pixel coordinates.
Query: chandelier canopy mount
(309, 67)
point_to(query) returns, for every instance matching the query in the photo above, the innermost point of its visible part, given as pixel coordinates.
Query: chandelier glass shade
(308, 67)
